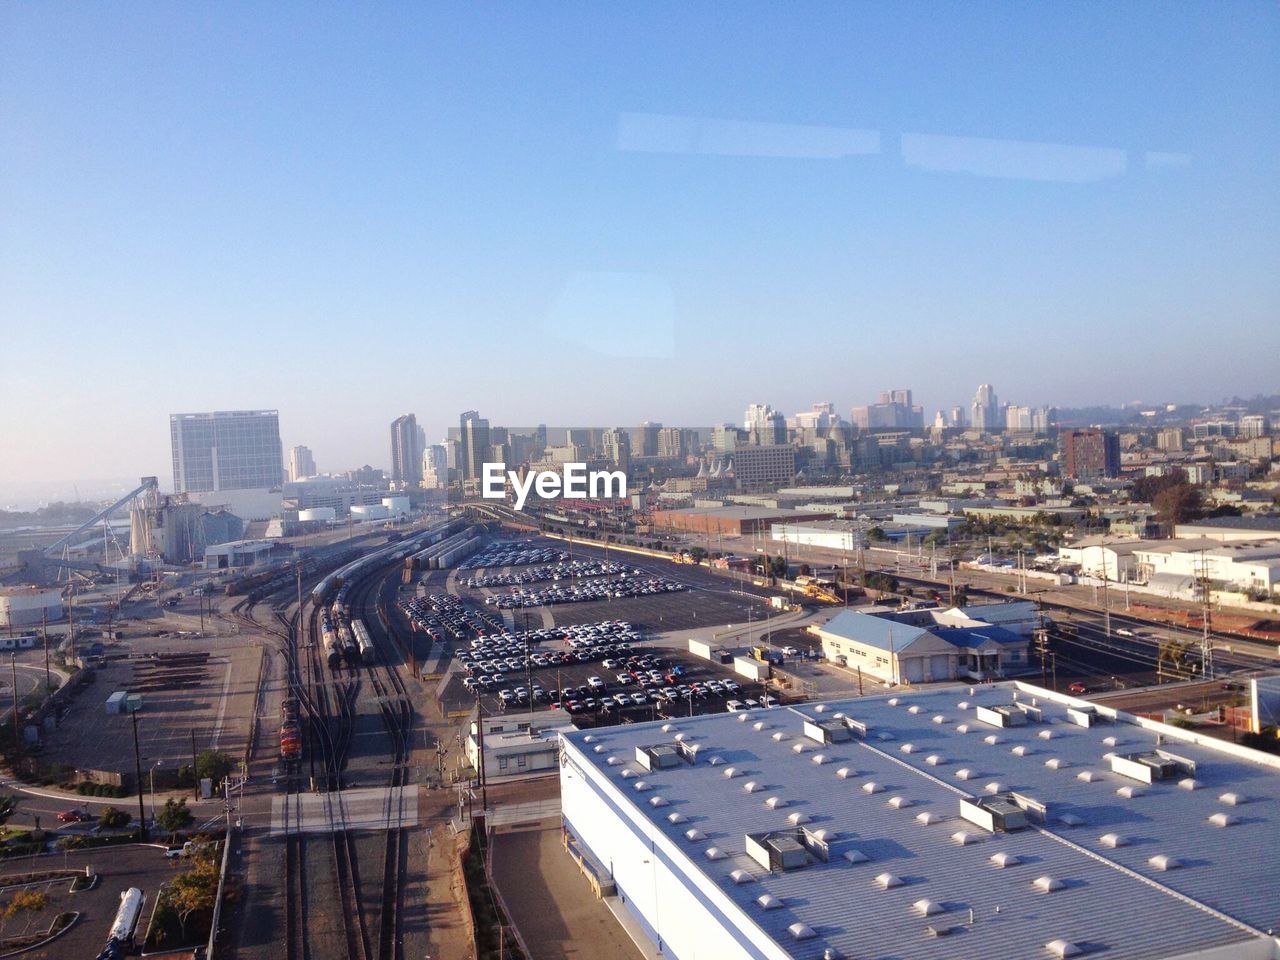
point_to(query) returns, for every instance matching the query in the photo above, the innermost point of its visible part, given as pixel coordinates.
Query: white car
(791, 651)
(595, 683)
(734, 706)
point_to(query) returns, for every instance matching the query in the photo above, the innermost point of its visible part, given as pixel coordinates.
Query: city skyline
(1017, 199)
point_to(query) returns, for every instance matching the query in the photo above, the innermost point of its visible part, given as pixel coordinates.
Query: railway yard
(346, 684)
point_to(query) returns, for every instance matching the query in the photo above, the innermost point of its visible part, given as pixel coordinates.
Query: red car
(1077, 687)
(72, 816)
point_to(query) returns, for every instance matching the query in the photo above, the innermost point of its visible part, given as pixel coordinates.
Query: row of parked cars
(625, 585)
(512, 555)
(565, 570)
(490, 659)
(442, 615)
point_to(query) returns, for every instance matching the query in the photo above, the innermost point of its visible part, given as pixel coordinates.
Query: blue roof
(977, 636)
(872, 631)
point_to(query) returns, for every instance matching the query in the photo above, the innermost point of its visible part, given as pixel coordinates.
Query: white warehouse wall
(677, 905)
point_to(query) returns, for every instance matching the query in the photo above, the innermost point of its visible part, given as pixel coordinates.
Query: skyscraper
(435, 467)
(617, 447)
(406, 453)
(986, 409)
(226, 450)
(764, 424)
(473, 449)
(648, 437)
(301, 463)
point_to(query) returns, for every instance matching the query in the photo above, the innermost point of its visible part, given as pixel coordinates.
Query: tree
(194, 890)
(877, 533)
(1174, 657)
(213, 765)
(113, 818)
(174, 816)
(777, 567)
(806, 570)
(698, 553)
(1177, 504)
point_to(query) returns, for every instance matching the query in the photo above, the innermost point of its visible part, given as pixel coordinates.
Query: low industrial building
(29, 606)
(1001, 820)
(521, 744)
(1226, 529)
(922, 646)
(238, 553)
(733, 521)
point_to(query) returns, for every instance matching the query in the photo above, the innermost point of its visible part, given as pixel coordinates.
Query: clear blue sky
(605, 213)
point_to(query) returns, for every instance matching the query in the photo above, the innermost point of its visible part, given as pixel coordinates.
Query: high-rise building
(406, 454)
(226, 450)
(301, 463)
(764, 425)
(986, 409)
(647, 437)
(765, 465)
(1170, 440)
(724, 438)
(1091, 453)
(958, 419)
(671, 443)
(1253, 425)
(435, 466)
(473, 449)
(895, 411)
(616, 444)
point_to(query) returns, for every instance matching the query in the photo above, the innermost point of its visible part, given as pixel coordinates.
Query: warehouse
(997, 821)
(733, 521)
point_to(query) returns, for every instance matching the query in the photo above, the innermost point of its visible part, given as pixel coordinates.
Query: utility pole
(13, 663)
(1206, 614)
(195, 776)
(44, 639)
(484, 786)
(137, 762)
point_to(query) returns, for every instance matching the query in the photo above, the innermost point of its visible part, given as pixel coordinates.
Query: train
(347, 641)
(120, 937)
(290, 730)
(335, 587)
(363, 641)
(329, 642)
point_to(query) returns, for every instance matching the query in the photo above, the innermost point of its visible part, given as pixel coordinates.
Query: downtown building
(1090, 454)
(406, 452)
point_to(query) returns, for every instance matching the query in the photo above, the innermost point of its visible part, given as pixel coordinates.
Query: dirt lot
(551, 904)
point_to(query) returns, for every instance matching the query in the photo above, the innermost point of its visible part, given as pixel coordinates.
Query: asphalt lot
(214, 700)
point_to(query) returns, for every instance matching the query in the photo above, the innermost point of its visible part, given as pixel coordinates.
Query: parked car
(1078, 688)
(73, 816)
(734, 706)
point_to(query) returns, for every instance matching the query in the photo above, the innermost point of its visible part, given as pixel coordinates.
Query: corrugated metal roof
(872, 631)
(1122, 899)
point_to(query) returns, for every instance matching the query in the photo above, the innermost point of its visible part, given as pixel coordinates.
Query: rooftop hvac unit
(1004, 715)
(827, 731)
(778, 851)
(658, 757)
(996, 814)
(1152, 765)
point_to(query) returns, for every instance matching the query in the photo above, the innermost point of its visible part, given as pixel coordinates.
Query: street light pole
(137, 762)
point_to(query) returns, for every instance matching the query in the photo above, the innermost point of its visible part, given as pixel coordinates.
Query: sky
(605, 213)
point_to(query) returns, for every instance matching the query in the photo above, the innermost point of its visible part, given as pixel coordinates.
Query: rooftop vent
(995, 786)
(872, 787)
(779, 850)
(926, 908)
(680, 737)
(740, 876)
(820, 758)
(991, 739)
(798, 818)
(657, 801)
(779, 736)
(888, 881)
(824, 835)
(940, 718)
(799, 747)
(1003, 860)
(1046, 734)
(827, 731)
(908, 748)
(1233, 799)
(1113, 840)
(965, 773)
(899, 803)
(935, 760)
(1057, 763)
(668, 727)
(758, 725)
(894, 701)
(714, 853)
(658, 757)
(675, 817)
(1130, 793)
(775, 803)
(1189, 783)
(1047, 884)
(612, 761)
(744, 717)
(1070, 820)
(884, 736)
(1163, 862)
(1063, 948)
(1088, 776)
(1022, 750)
(731, 772)
(963, 705)
(1149, 766)
(589, 738)
(641, 785)
(820, 708)
(1223, 820)
(964, 837)
(769, 902)
(844, 773)
(715, 761)
(627, 773)
(1112, 741)
(962, 728)
(751, 786)
(802, 931)
(914, 708)
(694, 834)
(598, 748)
(928, 817)
(854, 855)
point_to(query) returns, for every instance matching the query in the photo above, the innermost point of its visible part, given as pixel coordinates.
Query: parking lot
(652, 681)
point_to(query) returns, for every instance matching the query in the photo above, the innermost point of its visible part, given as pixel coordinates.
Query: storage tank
(362, 511)
(396, 505)
(29, 606)
(320, 514)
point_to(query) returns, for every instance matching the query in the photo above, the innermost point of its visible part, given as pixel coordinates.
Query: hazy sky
(606, 213)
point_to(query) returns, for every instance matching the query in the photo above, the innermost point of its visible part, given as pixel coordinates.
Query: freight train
(120, 937)
(335, 587)
(290, 730)
(364, 642)
(329, 643)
